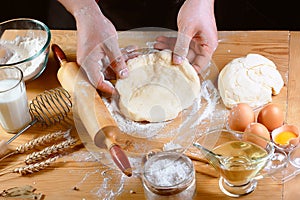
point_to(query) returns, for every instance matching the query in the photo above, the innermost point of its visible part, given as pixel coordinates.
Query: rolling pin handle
(107, 134)
(59, 55)
(120, 159)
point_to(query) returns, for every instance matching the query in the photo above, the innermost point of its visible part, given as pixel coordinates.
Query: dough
(252, 79)
(156, 90)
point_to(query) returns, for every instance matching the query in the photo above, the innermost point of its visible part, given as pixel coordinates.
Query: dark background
(230, 14)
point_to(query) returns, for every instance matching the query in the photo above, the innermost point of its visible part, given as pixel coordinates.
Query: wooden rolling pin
(92, 111)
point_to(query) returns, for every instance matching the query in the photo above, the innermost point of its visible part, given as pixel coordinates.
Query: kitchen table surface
(74, 176)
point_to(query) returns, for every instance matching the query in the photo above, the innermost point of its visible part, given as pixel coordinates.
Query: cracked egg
(286, 137)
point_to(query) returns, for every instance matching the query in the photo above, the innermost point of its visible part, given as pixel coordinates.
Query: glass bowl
(25, 43)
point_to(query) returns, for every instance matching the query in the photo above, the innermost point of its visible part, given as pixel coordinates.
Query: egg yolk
(284, 137)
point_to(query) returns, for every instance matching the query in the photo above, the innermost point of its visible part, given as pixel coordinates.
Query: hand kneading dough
(251, 79)
(156, 90)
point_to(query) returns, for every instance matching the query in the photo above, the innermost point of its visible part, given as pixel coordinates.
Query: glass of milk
(14, 110)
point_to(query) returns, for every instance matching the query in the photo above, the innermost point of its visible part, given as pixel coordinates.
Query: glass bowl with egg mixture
(25, 43)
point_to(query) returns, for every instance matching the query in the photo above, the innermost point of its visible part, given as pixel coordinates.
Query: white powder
(169, 175)
(210, 114)
(21, 48)
(113, 179)
(168, 172)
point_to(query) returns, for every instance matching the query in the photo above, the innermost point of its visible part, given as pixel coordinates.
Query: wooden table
(74, 176)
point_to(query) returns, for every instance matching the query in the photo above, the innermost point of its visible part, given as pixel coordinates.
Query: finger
(203, 51)
(169, 43)
(130, 52)
(205, 44)
(161, 39)
(131, 55)
(164, 42)
(200, 63)
(129, 49)
(96, 78)
(181, 48)
(92, 65)
(111, 48)
(207, 70)
(105, 86)
(109, 74)
(191, 56)
(165, 39)
(161, 46)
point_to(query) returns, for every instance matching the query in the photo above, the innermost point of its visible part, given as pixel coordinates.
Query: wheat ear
(36, 167)
(48, 151)
(42, 140)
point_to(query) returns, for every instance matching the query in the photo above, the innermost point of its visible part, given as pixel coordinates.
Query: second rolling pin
(92, 111)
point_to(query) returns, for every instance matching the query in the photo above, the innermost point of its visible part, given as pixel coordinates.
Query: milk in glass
(14, 112)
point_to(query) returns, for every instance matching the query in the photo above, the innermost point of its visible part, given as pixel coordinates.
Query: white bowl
(25, 43)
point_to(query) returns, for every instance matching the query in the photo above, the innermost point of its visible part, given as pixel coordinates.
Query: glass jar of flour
(169, 175)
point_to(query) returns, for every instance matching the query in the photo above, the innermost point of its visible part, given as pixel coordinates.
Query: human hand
(98, 51)
(197, 36)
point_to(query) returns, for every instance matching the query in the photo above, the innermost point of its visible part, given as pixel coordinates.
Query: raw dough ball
(251, 79)
(156, 90)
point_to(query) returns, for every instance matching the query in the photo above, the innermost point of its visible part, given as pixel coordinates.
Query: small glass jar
(169, 175)
(14, 111)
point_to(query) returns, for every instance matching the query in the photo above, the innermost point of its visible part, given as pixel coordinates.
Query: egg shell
(271, 116)
(292, 142)
(257, 129)
(240, 116)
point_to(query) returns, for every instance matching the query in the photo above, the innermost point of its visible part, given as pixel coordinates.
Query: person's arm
(96, 39)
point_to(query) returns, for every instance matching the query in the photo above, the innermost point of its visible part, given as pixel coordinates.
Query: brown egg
(240, 116)
(271, 116)
(257, 129)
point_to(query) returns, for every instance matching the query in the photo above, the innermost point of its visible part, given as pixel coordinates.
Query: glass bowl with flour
(24, 43)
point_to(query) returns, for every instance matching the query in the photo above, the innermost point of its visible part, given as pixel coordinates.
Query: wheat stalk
(48, 151)
(36, 167)
(42, 140)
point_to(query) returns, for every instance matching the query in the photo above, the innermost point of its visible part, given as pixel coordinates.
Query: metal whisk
(51, 106)
(48, 108)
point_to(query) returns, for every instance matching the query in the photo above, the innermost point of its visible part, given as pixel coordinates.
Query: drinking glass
(14, 111)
